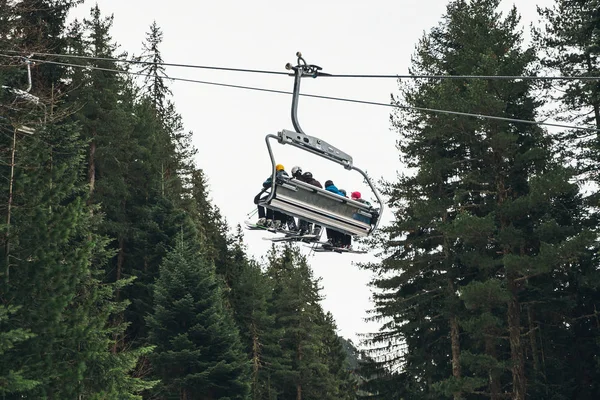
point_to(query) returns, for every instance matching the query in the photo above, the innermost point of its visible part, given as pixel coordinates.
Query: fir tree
(52, 255)
(174, 146)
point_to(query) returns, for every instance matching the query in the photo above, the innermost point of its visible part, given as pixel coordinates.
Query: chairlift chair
(310, 203)
(25, 95)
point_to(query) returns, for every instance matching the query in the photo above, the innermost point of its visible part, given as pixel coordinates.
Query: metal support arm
(301, 70)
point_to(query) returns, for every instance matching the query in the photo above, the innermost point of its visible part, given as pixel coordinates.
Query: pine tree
(198, 352)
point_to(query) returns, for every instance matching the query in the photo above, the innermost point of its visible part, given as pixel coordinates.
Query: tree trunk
(495, 387)
(595, 104)
(255, 360)
(514, 329)
(455, 344)
(533, 340)
(299, 385)
(92, 168)
(9, 206)
(454, 329)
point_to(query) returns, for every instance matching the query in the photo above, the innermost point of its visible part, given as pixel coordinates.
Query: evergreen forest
(120, 279)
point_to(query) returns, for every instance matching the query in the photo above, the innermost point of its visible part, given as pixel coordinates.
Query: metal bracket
(316, 146)
(301, 70)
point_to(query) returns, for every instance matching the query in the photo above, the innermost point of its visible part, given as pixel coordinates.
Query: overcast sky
(229, 125)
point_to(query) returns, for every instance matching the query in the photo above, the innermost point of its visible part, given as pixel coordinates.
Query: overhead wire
(324, 75)
(141, 62)
(356, 101)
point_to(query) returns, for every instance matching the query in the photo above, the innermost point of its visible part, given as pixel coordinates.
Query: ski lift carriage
(25, 95)
(299, 199)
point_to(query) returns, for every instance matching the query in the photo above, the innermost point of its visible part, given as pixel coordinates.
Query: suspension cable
(357, 101)
(360, 76)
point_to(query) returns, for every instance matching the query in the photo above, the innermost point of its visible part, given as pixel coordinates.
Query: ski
(294, 238)
(253, 227)
(325, 247)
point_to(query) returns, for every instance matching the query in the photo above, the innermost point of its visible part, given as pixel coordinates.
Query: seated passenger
(307, 177)
(346, 239)
(356, 196)
(270, 218)
(330, 187)
(337, 238)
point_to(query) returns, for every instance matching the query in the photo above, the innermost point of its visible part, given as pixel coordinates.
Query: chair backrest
(321, 207)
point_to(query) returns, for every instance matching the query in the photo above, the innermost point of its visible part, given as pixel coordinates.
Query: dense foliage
(488, 280)
(121, 280)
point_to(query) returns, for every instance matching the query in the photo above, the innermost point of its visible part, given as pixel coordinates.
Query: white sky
(229, 125)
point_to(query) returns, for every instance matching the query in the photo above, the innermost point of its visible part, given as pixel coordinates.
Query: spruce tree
(123, 174)
(174, 152)
(198, 351)
(52, 282)
(303, 368)
(155, 87)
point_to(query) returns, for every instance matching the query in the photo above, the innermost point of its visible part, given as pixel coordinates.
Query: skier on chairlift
(305, 226)
(302, 202)
(274, 219)
(337, 238)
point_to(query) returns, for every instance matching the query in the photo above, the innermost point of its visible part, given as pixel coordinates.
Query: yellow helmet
(279, 167)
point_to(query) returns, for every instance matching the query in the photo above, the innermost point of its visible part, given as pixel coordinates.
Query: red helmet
(355, 195)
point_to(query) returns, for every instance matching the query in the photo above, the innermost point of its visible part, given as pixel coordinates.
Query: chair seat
(312, 204)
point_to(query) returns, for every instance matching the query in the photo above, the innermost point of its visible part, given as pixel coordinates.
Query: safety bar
(344, 160)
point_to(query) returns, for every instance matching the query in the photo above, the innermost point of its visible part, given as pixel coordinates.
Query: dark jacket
(280, 175)
(310, 180)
